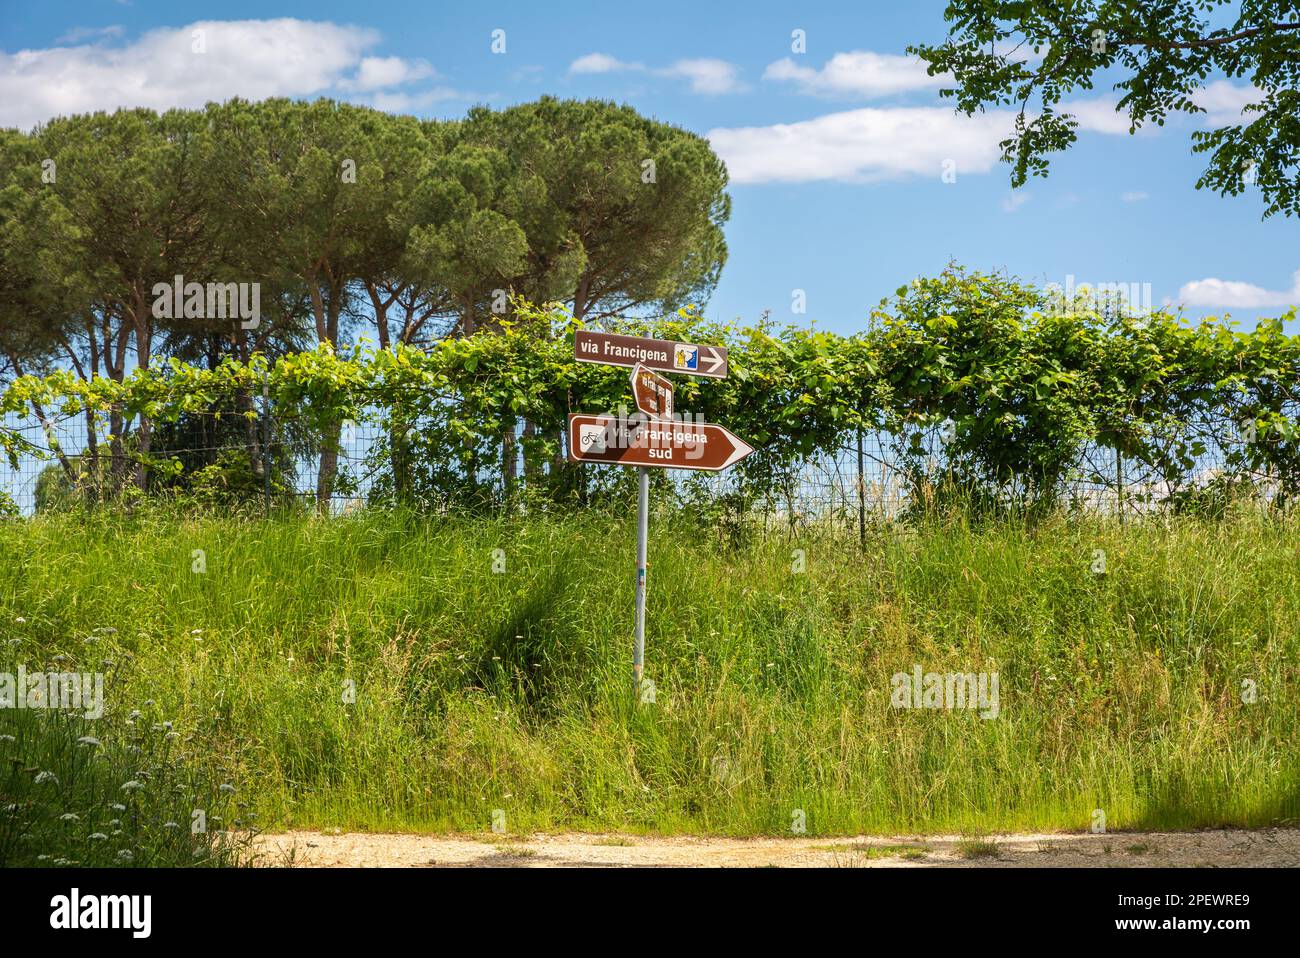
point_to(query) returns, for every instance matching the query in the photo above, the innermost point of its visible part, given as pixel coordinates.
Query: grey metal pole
(642, 534)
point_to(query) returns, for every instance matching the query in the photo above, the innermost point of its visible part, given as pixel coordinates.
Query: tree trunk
(92, 475)
(329, 465)
(46, 424)
(398, 457)
(143, 328)
(327, 329)
(117, 452)
(509, 460)
(244, 405)
(95, 473)
(530, 464)
(467, 317)
(381, 314)
(114, 359)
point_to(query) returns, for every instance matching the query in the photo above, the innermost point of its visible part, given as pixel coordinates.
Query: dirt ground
(1277, 848)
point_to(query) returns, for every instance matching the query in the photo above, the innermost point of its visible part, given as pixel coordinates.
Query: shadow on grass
(532, 653)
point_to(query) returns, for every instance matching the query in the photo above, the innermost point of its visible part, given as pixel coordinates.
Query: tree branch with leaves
(1159, 55)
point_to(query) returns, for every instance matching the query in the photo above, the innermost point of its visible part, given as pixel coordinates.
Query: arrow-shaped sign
(652, 392)
(661, 355)
(667, 445)
(713, 360)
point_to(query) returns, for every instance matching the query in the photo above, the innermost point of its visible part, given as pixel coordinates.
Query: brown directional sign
(661, 355)
(653, 393)
(668, 445)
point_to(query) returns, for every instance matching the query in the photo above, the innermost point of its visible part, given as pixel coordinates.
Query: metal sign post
(642, 540)
(654, 439)
(654, 397)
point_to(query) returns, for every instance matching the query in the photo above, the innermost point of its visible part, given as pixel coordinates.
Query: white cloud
(378, 73)
(1134, 196)
(249, 58)
(859, 73)
(1232, 293)
(882, 143)
(397, 101)
(1014, 200)
(1098, 116)
(706, 75)
(863, 145)
(81, 34)
(1223, 102)
(602, 63)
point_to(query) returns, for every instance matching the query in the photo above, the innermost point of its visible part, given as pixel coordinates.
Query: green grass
(973, 848)
(110, 792)
(516, 851)
(908, 852)
(477, 691)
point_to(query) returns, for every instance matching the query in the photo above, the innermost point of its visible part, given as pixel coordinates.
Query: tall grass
(117, 791)
(376, 672)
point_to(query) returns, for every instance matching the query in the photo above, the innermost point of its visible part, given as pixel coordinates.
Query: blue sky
(836, 153)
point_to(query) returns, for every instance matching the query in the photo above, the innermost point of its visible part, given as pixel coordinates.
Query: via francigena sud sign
(181, 300)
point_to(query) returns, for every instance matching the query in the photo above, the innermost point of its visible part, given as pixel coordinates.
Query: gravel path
(1262, 848)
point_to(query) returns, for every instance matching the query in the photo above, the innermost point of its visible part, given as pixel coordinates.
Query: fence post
(1119, 484)
(862, 497)
(266, 440)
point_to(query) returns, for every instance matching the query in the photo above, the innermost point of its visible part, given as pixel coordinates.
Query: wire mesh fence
(866, 476)
(58, 461)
